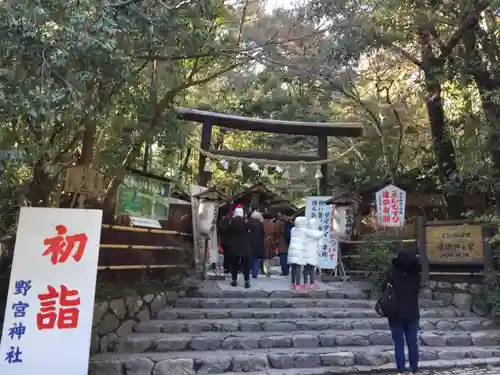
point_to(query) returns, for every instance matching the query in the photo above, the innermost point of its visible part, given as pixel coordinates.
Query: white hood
(296, 249)
(314, 228)
(300, 222)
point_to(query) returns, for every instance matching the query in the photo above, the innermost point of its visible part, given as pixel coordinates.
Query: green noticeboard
(144, 197)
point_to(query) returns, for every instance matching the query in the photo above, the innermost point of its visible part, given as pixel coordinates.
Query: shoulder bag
(387, 305)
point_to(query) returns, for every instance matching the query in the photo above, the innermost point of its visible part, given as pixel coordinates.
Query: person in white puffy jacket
(296, 250)
(314, 242)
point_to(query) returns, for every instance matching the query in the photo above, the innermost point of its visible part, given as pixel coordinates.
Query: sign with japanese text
(145, 222)
(144, 197)
(316, 208)
(455, 243)
(48, 318)
(391, 202)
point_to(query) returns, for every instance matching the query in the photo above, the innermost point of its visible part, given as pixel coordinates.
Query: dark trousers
(285, 267)
(242, 263)
(256, 266)
(309, 274)
(227, 261)
(404, 330)
(295, 273)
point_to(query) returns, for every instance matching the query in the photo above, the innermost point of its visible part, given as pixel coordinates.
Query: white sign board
(144, 222)
(391, 203)
(316, 208)
(48, 319)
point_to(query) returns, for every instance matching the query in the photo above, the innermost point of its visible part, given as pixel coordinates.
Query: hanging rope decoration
(211, 156)
(279, 166)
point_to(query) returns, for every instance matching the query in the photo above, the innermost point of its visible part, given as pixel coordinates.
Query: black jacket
(404, 275)
(236, 238)
(256, 238)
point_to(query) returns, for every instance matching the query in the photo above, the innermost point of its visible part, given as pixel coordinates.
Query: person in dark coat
(282, 243)
(238, 247)
(404, 276)
(256, 240)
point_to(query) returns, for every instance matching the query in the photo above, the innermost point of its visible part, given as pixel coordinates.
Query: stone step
(209, 341)
(290, 325)
(261, 360)
(475, 366)
(281, 303)
(235, 313)
(249, 293)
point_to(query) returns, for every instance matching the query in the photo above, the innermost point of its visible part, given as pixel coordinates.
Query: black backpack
(387, 305)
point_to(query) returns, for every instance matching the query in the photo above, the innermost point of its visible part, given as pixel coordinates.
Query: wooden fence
(129, 253)
(449, 250)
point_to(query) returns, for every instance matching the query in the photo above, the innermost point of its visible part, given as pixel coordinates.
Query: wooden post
(206, 140)
(421, 245)
(81, 201)
(254, 204)
(323, 154)
(154, 102)
(487, 231)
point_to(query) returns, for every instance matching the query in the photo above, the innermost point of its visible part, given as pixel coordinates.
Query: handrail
(139, 247)
(145, 230)
(140, 267)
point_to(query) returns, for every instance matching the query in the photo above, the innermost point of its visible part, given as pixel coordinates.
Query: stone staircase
(293, 333)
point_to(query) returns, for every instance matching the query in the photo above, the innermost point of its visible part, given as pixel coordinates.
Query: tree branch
(386, 42)
(230, 52)
(467, 22)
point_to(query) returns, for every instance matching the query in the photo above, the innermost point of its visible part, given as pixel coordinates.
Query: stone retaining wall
(464, 296)
(116, 317)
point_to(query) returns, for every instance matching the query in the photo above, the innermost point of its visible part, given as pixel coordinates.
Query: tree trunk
(444, 150)
(41, 187)
(88, 143)
(486, 85)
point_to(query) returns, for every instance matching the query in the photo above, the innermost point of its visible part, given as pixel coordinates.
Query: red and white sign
(391, 202)
(48, 319)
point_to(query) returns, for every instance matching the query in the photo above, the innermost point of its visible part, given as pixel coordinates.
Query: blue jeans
(404, 330)
(255, 267)
(285, 267)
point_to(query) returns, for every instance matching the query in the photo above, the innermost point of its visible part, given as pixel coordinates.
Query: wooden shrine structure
(321, 130)
(259, 197)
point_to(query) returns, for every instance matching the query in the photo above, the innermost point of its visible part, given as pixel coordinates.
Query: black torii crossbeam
(321, 130)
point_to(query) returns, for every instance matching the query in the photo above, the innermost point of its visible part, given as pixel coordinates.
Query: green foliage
(73, 68)
(376, 254)
(492, 279)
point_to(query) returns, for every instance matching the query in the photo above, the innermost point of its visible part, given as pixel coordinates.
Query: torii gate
(321, 130)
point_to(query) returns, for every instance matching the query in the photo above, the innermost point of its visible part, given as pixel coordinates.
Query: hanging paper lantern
(208, 166)
(253, 166)
(264, 172)
(286, 174)
(318, 174)
(239, 169)
(302, 169)
(224, 164)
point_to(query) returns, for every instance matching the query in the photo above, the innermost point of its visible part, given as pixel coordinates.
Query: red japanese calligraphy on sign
(61, 309)
(60, 247)
(386, 212)
(391, 206)
(394, 208)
